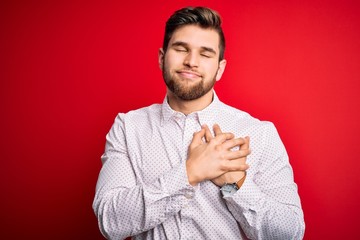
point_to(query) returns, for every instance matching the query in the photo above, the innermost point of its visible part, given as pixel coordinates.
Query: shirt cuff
(247, 196)
(176, 185)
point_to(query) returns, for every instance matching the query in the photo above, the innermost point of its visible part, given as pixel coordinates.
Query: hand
(212, 158)
(233, 176)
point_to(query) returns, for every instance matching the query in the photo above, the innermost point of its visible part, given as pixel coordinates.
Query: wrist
(192, 179)
(228, 189)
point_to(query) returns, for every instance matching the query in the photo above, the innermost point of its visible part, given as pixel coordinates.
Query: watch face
(228, 189)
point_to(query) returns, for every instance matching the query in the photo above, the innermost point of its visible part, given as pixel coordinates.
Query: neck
(187, 107)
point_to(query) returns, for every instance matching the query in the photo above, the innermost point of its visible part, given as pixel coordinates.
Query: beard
(184, 91)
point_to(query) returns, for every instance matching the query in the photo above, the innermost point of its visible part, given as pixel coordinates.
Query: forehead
(196, 37)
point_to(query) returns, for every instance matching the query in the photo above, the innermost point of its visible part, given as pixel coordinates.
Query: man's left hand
(228, 177)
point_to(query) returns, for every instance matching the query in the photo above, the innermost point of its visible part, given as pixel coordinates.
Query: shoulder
(243, 120)
(230, 113)
(140, 114)
(138, 119)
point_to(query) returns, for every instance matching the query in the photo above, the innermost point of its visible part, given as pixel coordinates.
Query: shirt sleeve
(126, 207)
(267, 206)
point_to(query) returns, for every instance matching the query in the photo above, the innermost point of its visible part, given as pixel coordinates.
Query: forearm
(263, 217)
(128, 211)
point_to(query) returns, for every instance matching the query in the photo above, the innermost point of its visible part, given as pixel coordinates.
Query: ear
(221, 69)
(161, 58)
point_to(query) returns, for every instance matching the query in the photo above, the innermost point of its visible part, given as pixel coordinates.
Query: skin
(190, 68)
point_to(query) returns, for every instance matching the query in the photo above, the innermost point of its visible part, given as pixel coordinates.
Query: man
(183, 169)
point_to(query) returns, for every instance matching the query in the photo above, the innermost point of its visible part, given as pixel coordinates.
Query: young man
(183, 169)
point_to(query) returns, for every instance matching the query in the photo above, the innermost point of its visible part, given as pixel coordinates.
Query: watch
(229, 189)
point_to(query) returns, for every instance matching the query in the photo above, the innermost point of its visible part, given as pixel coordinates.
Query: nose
(191, 60)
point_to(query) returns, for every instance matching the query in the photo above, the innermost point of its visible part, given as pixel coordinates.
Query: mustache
(187, 70)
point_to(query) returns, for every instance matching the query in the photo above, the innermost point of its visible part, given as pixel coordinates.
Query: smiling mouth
(189, 74)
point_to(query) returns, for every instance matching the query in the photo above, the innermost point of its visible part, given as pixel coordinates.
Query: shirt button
(188, 195)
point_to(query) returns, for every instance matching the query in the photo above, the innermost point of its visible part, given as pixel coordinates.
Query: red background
(67, 68)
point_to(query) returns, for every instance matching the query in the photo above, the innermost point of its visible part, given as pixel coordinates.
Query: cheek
(168, 65)
(211, 69)
(172, 59)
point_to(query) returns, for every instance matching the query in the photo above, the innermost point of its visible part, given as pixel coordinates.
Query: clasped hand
(212, 158)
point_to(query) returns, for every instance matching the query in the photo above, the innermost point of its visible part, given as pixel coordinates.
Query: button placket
(191, 126)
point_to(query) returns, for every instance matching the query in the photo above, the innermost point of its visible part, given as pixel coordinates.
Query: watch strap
(241, 181)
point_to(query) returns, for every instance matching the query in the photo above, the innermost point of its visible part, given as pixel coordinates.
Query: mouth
(189, 74)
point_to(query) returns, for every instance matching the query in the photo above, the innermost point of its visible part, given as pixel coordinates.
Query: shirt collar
(205, 116)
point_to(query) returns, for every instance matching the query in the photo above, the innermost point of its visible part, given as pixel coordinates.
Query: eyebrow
(184, 44)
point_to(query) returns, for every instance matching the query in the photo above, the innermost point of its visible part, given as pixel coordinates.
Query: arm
(123, 205)
(267, 206)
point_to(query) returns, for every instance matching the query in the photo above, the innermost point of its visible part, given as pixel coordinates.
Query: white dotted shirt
(143, 189)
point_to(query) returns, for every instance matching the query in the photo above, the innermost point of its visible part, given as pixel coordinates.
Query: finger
(246, 143)
(235, 165)
(218, 132)
(236, 155)
(223, 137)
(234, 143)
(208, 135)
(217, 129)
(197, 138)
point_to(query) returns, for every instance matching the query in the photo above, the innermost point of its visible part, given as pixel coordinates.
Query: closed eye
(208, 52)
(180, 46)
(206, 55)
(180, 49)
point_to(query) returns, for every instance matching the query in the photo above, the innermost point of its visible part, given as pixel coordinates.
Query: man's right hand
(213, 157)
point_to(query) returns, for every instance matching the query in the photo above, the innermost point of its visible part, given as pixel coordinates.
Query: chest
(160, 148)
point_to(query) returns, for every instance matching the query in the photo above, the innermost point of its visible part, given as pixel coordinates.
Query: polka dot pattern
(143, 190)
